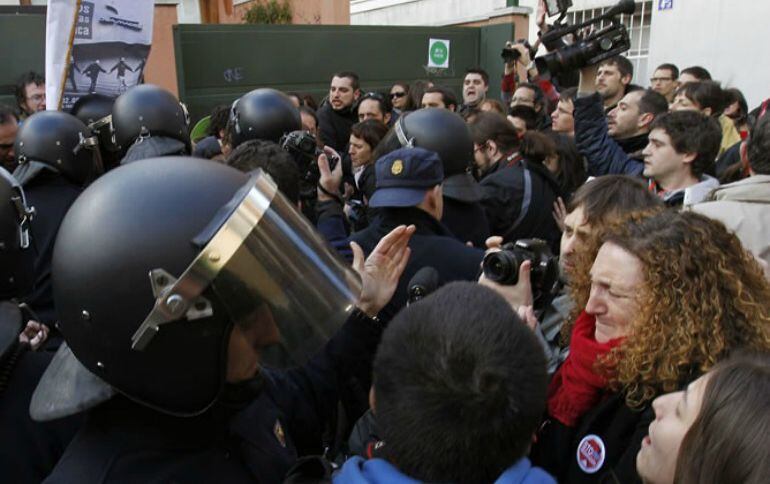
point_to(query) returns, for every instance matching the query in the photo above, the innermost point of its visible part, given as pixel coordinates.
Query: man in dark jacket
(336, 117)
(675, 172)
(517, 196)
(409, 192)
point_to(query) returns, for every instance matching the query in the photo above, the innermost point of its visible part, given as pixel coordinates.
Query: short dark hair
(310, 112)
(29, 77)
(218, 120)
(276, 162)
(371, 131)
(733, 95)
(491, 126)
(692, 132)
(536, 147)
(7, 114)
(447, 96)
(355, 82)
(460, 386)
(612, 196)
(526, 113)
(697, 72)
(653, 102)
(706, 94)
(539, 96)
(568, 94)
(572, 169)
(669, 67)
(479, 71)
(625, 67)
(381, 99)
(758, 147)
(733, 419)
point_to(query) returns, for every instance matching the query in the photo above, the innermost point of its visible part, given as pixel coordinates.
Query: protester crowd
(568, 284)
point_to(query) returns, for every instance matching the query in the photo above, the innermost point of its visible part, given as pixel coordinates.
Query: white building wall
(727, 37)
(423, 12)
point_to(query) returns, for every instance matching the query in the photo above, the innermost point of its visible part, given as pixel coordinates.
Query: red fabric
(509, 83)
(549, 90)
(576, 387)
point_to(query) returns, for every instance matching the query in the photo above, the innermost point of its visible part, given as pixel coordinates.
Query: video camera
(502, 267)
(598, 46)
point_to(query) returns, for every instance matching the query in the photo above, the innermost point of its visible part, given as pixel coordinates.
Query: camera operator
(517, 196)
(593, 207)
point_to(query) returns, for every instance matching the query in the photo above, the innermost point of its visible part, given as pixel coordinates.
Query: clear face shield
(269, 271)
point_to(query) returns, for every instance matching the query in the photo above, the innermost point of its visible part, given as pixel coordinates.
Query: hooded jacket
(744, 208)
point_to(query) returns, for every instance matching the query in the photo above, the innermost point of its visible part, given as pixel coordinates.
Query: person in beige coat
(744, 206)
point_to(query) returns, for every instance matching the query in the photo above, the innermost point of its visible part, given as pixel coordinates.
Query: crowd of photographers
(569, 284)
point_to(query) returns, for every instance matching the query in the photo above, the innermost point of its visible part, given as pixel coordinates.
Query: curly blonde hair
(703, 296)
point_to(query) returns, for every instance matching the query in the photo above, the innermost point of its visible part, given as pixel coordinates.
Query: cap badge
(397, 167)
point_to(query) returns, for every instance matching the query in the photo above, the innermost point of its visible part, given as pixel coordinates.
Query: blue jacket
(357, 470)
(604, 155)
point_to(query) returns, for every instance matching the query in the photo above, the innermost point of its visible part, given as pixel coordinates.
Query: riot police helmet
(59, 142)
(151, 277)
(447, 134)
(16, 272)
(264, 114)
(148, 110)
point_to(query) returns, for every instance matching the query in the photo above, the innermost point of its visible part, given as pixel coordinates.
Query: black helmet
(148, 110)
(447, 134)
(58, 141)
(150, 277)
(15, 266)
(263, 114)
(95, 110)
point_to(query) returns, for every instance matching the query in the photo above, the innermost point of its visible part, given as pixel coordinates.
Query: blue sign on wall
(665, 4)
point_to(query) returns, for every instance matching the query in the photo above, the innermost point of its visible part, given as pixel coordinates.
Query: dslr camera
(502, 267)
(510, 54)
(302, 145)
(599, 45)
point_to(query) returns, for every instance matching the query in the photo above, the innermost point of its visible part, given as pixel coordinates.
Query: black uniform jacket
(607, 440)
(253, 433)
(432, 245)
(466, 221)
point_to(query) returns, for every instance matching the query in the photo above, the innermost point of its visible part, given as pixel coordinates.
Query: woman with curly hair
(666, 297)
(717, 430)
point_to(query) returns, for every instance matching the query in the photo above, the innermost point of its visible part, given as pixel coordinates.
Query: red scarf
(576, 387)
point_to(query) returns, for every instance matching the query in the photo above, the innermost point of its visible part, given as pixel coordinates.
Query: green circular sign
(439, 53)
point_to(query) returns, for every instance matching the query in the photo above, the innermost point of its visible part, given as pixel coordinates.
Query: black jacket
(51, 195)
(432, 245)
(253, 433)
(518, 200)
(466, 221)
(334, 126)
(619, 430)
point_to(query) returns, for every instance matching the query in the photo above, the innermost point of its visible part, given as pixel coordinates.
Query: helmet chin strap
(405, 142)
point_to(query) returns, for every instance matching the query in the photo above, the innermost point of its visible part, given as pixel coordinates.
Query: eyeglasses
(397, 94)
(37, 97)
(373, 95)
(661, 79)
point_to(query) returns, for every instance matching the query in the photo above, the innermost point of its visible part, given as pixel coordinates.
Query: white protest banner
(438, 53)
(95, 46)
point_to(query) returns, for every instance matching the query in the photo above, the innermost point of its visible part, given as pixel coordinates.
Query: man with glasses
(665, 81)
(8, 127)
(30, 94)
(338, 114)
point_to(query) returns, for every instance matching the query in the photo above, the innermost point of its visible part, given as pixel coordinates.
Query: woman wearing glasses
(399, 96)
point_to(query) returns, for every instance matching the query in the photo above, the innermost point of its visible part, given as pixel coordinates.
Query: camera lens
(502, 267)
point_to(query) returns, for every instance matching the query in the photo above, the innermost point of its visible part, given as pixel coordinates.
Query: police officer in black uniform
(147, 122)
(169, 294)
(56, 156)
(409, 191)
(445, 133)
(28, 450)
(264, 114)
(95, 110)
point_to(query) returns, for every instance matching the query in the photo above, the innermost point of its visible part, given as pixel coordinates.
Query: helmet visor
(267, 269)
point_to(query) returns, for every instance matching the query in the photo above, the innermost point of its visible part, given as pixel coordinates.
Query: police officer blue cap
(403, 177)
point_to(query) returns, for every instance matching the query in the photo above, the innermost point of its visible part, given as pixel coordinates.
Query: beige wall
(161, 65)
(305, 12)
